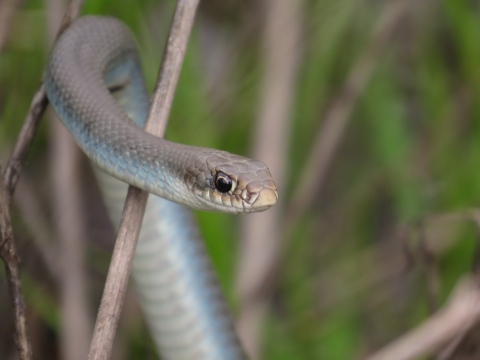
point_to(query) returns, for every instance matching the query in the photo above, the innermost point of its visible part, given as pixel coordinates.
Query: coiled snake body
(95, 84)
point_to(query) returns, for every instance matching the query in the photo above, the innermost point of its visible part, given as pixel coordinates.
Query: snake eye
(223, 183)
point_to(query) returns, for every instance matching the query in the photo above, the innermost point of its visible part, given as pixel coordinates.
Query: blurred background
(366, 112)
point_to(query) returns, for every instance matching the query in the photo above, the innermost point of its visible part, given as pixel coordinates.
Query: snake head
(232, 183)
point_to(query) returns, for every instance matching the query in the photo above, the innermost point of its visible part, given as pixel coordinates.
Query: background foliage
(360, 263)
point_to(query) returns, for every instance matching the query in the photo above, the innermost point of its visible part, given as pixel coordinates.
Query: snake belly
(179, 294)
(95, 84)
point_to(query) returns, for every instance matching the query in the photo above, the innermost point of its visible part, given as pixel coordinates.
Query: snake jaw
(260, 195)
(266, 198)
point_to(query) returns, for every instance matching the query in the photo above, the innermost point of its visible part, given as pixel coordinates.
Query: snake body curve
(94, 82)
(97, 54)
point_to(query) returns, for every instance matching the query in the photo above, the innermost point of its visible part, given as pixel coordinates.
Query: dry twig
(70, 229)
(28, 205)
(261, 243)
(11, 260)
(37, 108)
(462, 312)
(7, 186)
(431, 271)
(65, 157)
(253, 292)
(120, 266)
(466, 344)
(7, 10)
(406, 249)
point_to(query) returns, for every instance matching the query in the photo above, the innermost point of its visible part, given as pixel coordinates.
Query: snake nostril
(245, 195)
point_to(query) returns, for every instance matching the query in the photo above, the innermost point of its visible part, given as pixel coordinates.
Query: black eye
(223, 183)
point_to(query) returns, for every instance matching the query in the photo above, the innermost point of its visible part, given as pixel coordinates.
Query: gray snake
(95, 84)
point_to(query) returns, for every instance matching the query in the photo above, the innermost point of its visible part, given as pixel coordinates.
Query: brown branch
(37, 108)
(11, 260)
(70, 229)
(431, 270)
(172, 61)
(263, 253)
(24, 141)
(7, 186)
(262, 240)
(65, 159)
(466, 344)
(406, 249)
(325, 146)
(7, 10)
(462, 312)
(33, 216)
(124, 251)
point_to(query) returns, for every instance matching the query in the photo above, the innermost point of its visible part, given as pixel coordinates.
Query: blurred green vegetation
(411, 150)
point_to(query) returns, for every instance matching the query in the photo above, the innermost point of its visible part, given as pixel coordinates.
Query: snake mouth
(266, 198)
(259, 196)
(241, 202)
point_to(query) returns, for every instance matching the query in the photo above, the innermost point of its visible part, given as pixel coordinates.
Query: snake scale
(94, 82)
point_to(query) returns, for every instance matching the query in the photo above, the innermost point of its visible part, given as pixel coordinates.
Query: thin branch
(24, 141)
(7, 10)
(70, 228)
(263, 254)
(7, 186)
(406, 249)
(65, 159)
(262, 240)
(466, 344)
(462, 312)
(329, 138)
(124, 251)
(172, 61)
(430, 267)
(11, 260)
(37, 108)
(33, 216)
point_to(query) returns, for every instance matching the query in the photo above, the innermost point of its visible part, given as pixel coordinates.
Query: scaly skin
(94, 55)
(179, 294)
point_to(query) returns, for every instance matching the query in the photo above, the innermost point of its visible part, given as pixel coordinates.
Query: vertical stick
(124, 251)
(262, 237)
(37, 108)
(9, 255)
(7, 186)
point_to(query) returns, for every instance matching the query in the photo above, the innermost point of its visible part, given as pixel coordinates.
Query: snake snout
(261, 195)
(266, 198)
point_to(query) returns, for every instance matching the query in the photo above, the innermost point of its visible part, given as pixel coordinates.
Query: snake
(95, 84)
